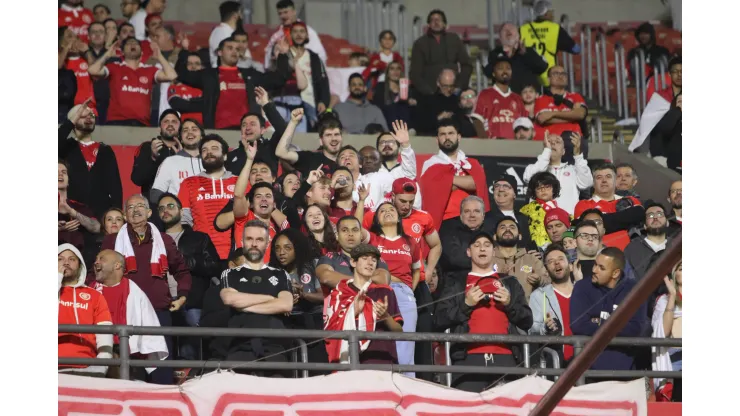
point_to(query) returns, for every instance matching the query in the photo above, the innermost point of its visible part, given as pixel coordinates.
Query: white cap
(523, 122)
(542, 7)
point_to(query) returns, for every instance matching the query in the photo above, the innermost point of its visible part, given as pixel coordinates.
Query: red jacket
(377, 67)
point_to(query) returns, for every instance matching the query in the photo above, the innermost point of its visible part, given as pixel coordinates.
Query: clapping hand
(381, 309)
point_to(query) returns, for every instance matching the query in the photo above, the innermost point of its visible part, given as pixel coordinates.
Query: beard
(507, 242)
(212, 165)
(656, 231)
(357, 95)
(449, 149)
(253, 255)
(467, 110)
(389, 157)
(191, 146)
(174, 220)
(504, 80)
(166, 135)
(677, 205)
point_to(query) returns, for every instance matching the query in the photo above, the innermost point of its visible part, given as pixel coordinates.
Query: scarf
(340, 316)
(158, 260)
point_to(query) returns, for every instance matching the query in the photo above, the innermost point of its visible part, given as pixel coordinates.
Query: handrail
(587, 77)
(596, 125)
(604, 68)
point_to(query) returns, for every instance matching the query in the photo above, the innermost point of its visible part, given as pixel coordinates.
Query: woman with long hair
(289, 183)
(292, 252)
(542, 191)
(666, 322)
(113, 220)
(387, 95)
(320, 230)
(402, 255)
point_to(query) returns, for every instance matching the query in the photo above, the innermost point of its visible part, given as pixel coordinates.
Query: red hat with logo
(404, 186)
(557, 214)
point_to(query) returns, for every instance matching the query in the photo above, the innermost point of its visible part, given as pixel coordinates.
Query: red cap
(404, 186)
(151, 17)
(299, 23)
(557, 214)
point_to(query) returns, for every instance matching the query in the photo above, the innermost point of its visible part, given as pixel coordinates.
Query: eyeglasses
(505, 186)
(558, 74)
(468, 96)
(598, 222)
(543, 187)
(386, 143)
(137, 206)
(675, 191)
(588, 237)
(171, 205)
(449, 86)
(658, 214)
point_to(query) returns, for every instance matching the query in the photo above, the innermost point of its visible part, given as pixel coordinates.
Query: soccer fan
(77, 18)
(542, 191)
(375, 72)
(204, 195)
(562, 113)
(131, 82)
(184, 164)
(183, 98)
(229, 91)
(369, 160)
(654, 54)
(330, 139)
(317, 189)
(529, 97)
(92, 167)
(450, 176)
(287, 14)
(150, 154)
(356, 112)
(402, 255)
(80, 305)
(245, 55)
(428, 58)
(201, 258)
(101, 12)
(505, 188)
(594, 300)
(472, 124)
(675, 198)
(128, 305)
(308, 86)
(77, 223)
(485, 302)
(129, 8)
(641, 252)
(526, 64)
(523, 129)
(392, 144)
(573, 177)
(113, 220)
(101, 39)
(360, 303)
(343, 186)
(557, 223)
(71, 56)
(259, 297)
(550, 303)
(499, 105)
(320, 230)
(440, 105)
(588, 246)
(231, 19)
(511, 259)
(626, 180)
(138, 19)
(666, 323)
(387, 95)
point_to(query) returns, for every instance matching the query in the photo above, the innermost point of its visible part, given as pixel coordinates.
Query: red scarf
(340, 300)
(90, 153)
(116, 297)
(547, 205)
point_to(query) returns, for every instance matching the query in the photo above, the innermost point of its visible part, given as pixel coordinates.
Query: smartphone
(572, 255)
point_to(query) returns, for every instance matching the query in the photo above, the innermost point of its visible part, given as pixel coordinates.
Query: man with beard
(526, 64)
(435, 51)
(288, 15)
(77, 223)
(308, 86)
(448, 177)
(343, 184)
(356, 112)
(182, 97)
(185, 163)
(229, 91)
(440, 105)
(471, 123)
(131, 82)
(151, 154)
(94, 178)
(260, 297)
(675, 220)
(588, 245)
(205, 194)
(499, 105)
(505, 188)
(641, 252)
(231, 19)
(201, 258)
(511, 260)
(330, 139)
(390, 145)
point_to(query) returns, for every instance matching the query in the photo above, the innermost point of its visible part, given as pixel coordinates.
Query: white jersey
(173, 170)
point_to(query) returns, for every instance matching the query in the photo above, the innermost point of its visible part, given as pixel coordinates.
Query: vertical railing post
(124, 353)
(526, 356)
(478, 76)
(360, 22)
(489, 22)
(345, 20)
(354, 351)
(583, 63)
(304, 355)
(619, 78)
(625, 78)
(403, 38)
(577, 349)
(605, 70)
(643, 78)
(589, 64)
(597, 50)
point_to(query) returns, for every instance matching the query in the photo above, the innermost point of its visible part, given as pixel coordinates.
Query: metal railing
(587, 78)
(638, 63)
(620, 67)
(353, 337)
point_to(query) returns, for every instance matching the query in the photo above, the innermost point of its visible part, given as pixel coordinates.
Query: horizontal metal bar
(396, 336)
(264, 365)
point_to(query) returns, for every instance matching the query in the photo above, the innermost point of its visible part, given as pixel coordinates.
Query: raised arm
(241, 205)
(167, 73)
(97, 69)
(282, 151)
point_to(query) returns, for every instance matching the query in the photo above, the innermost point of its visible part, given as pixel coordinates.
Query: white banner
(347, 394)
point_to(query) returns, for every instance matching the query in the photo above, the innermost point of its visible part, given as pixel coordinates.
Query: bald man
(444, 103)
(128, 305)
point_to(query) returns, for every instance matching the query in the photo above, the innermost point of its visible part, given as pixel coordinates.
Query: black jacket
(99, 187)
(424, 114)
(319, 80)
(525, 68)
(237, 158)
(452, 312)
(653, 52)
(67, 91)
(454, 261)
(522, 222)
(207, 81)
(202, 259)
(145, 169)
(668, 132)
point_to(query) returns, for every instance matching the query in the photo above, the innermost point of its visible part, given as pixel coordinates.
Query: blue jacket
(592, 305)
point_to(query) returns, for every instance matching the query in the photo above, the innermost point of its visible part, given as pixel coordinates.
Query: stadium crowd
(270, 236)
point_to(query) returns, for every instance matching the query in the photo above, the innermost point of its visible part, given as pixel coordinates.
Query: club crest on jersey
(86, 19)
(256, 279)
(84, 296)
(305, 278)
(231, 188)
(406, 247)
(274, 280)
(527, 269)
(416, 228)
(83, 66)
(143, 80)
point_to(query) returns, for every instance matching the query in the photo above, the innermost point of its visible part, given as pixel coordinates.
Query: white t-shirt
(139, 24)
(387, 59)
(304, 63)
(218, 34)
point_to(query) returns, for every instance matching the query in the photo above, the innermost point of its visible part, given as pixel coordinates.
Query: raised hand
(577, 272)
(401, 133)
(251, 150)
(82, 111)
(363, 191)
(261, 96)
(575, 138)
(296, 115)
(282, 46)
(156, 52)
(184, 41)
(315, 175)
(381, 308)
(547, 140)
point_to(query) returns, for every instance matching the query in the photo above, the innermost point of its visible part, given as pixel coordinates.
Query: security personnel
(546, 37)
(259, 297)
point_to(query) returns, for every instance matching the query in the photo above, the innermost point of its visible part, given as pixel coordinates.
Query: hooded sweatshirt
(81, 305)
(172, 172)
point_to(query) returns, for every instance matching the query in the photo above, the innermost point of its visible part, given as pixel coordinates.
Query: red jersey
(402, 257)
(130, 92)
(80, 306)
(239, 224)
(500, 110)
(78, 19)
(618, 239)
(232, 99)
(547, 103)
(565, 321)
(79, 65)
(186, 92)
(204, 197)
(487, 318)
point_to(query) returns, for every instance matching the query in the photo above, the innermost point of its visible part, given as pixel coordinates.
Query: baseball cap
(523, 122)
(480, 234)
(542, 7)
(404, 186)
(569, 233)
(364, 249)
(167, 112)
(508, 179)
(557, 214)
